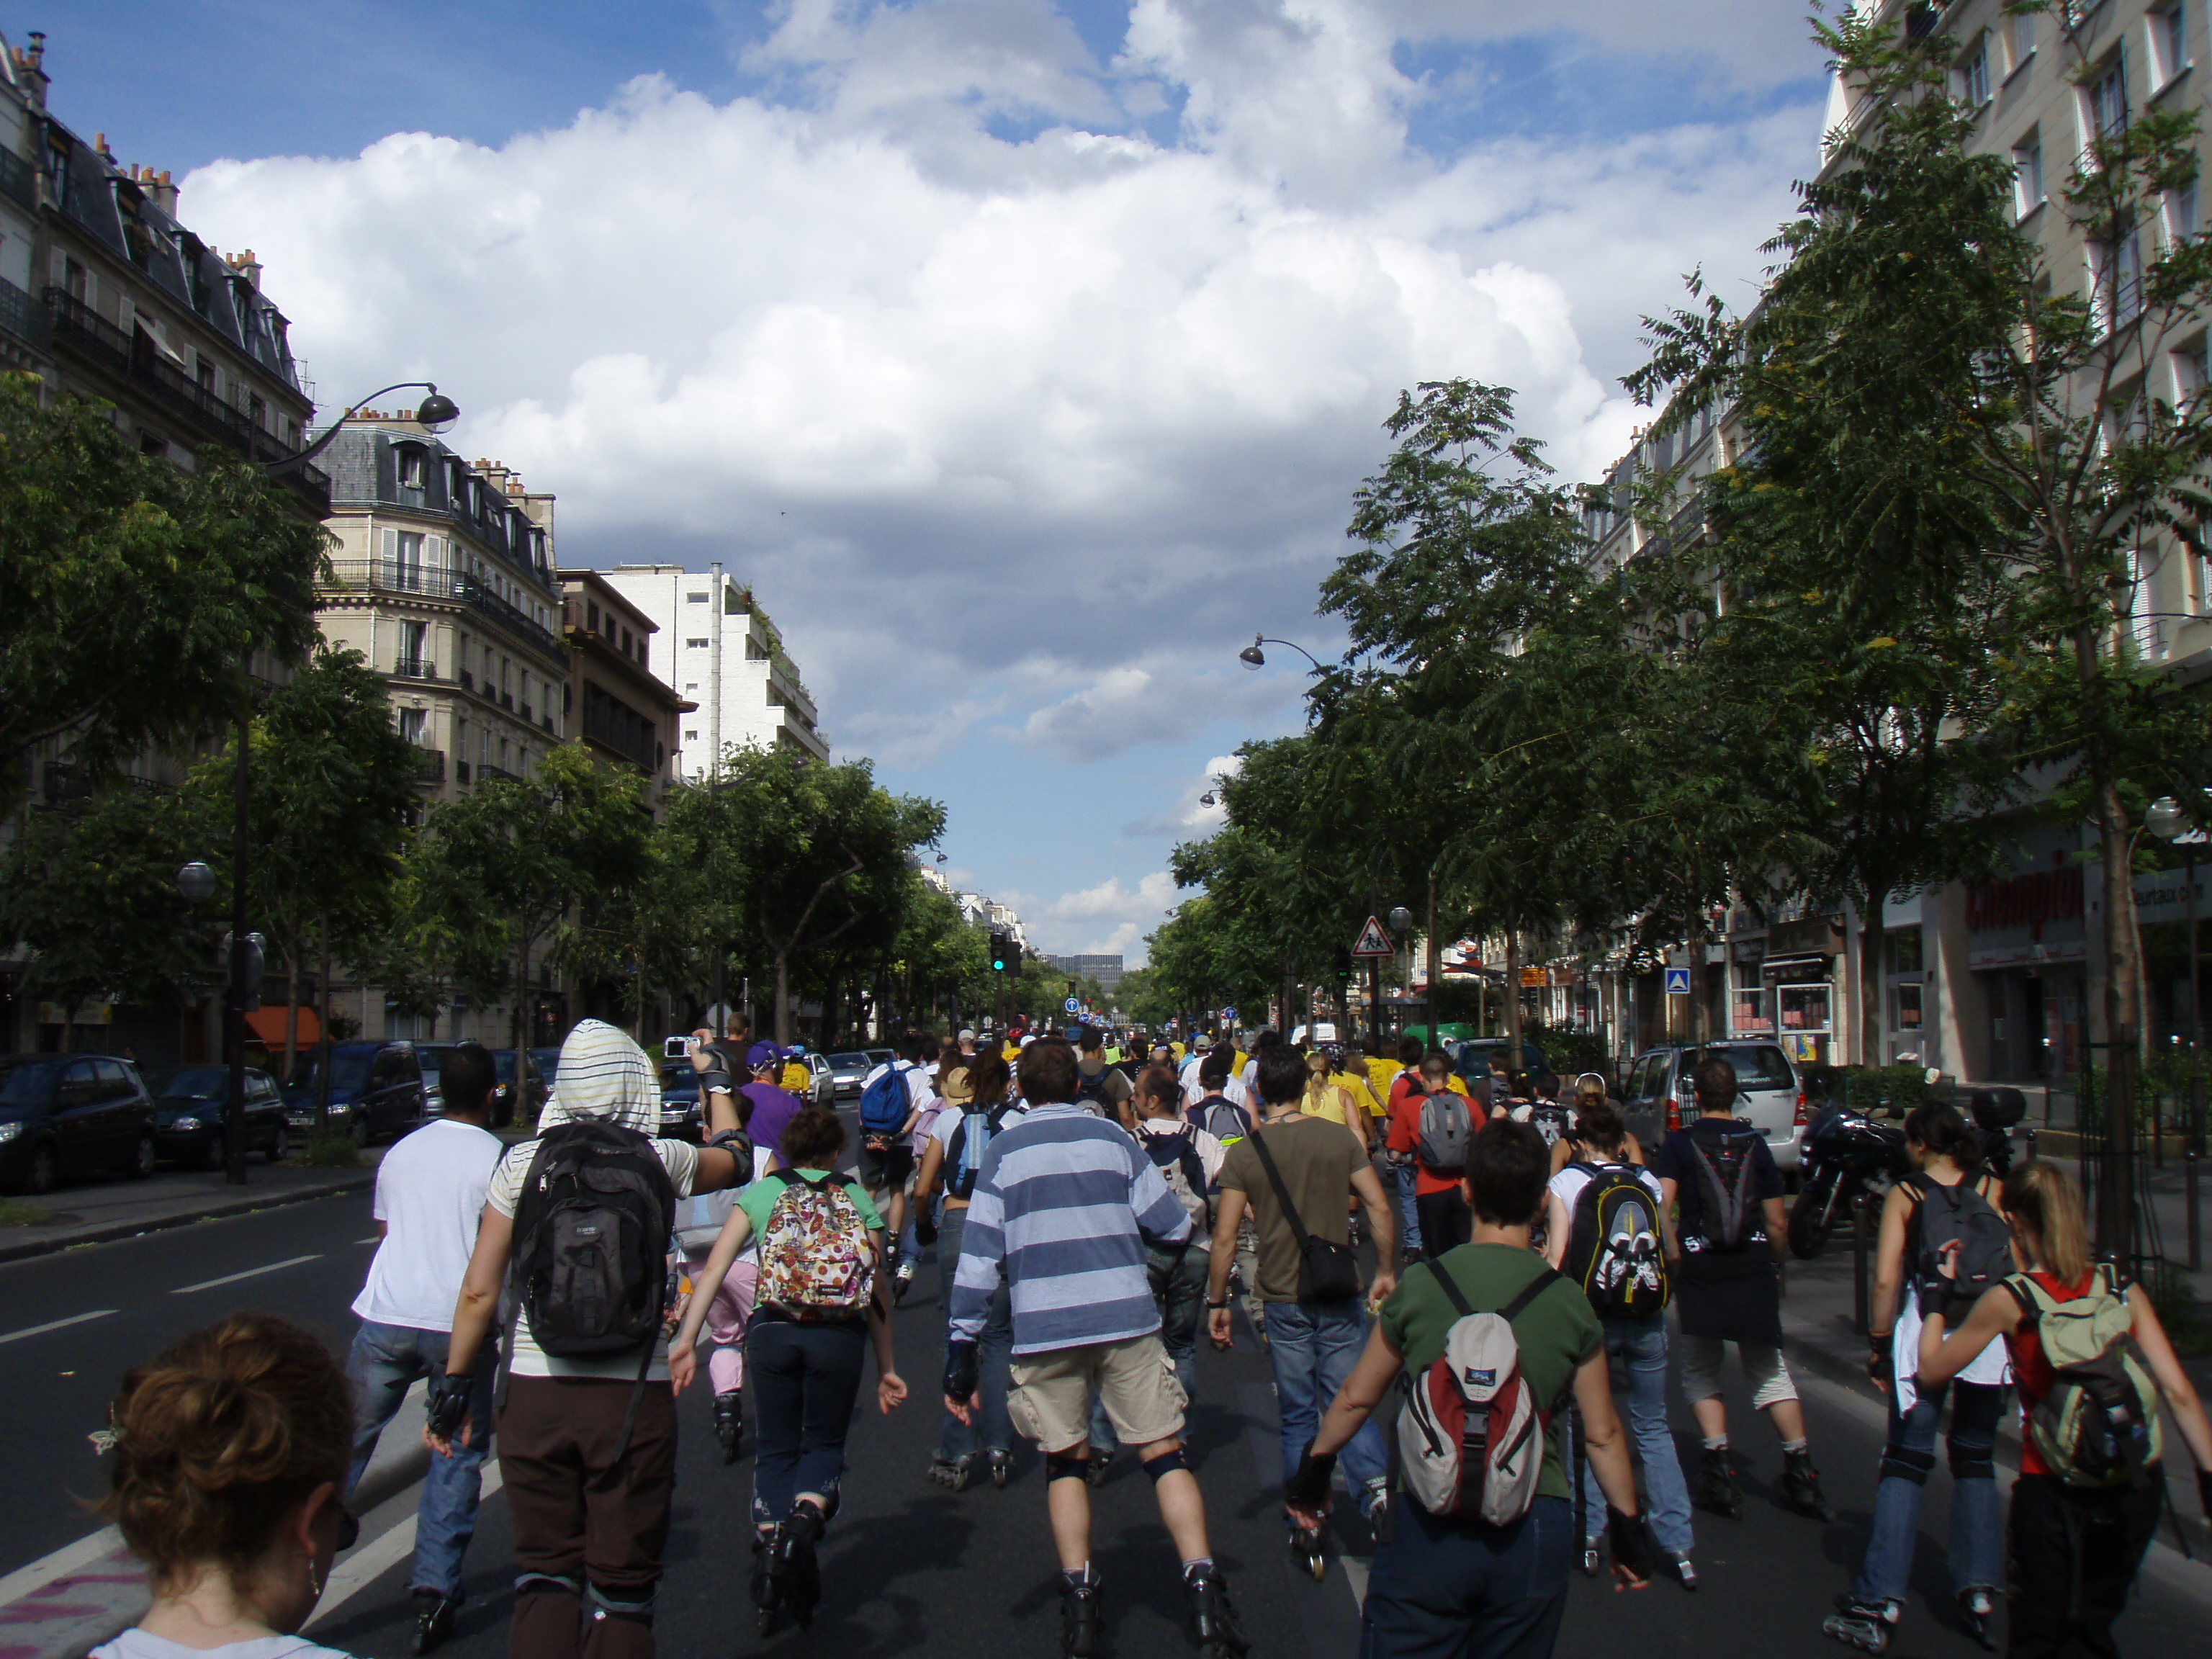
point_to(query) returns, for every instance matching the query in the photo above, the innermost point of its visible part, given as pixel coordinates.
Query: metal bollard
(1860, 1289)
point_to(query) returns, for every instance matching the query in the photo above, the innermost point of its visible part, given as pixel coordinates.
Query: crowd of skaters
(1097, 1211)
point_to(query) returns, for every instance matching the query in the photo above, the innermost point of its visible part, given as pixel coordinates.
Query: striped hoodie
(1064, 1201)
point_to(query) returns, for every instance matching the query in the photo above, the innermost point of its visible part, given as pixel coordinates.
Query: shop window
(1907, 1013)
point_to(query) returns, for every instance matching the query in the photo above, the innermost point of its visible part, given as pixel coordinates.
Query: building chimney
(99, 143)
(31, 59)
(248, 267)
(164, 192)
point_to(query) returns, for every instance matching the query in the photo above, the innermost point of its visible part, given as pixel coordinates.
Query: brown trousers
(584, 1519)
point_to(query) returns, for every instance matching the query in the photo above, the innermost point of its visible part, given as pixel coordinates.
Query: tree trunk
(1700, 1024)
(1435, 953)
(291, 1010)
(1513, 996)
(521, 1009)
(2116, 1203)
(323, 1042)
(783, 1018)
(1870, 979)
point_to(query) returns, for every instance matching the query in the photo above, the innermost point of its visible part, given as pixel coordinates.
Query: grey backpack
(1447, 1131)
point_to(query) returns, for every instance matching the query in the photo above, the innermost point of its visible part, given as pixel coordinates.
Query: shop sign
(2028, 901)
(1815, 935)
(92, 1011)
(2164, 897)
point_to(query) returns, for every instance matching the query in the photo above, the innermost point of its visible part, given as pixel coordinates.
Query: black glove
(1882, 1362)
(1309, 1487)
(924, 1228)
(1631, 1540)
(446, 1403)
(963, 1362)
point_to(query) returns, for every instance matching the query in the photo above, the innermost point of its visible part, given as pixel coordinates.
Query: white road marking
(368, 1241)
(69, 1559)
(56, 1325)
(371, 1560)
(251, 1272)
(1355, 1574)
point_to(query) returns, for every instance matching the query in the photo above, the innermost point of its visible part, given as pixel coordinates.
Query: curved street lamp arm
(285, 463)
(1267, 640)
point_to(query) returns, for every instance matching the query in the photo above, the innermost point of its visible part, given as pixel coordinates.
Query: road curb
(109, 1232)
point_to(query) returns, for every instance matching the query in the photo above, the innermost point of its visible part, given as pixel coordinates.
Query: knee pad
(1165, 1464)
(1907, 1465)
(1058, 1466)
(1972, 1463)
(546, 1584)
(635, 1607)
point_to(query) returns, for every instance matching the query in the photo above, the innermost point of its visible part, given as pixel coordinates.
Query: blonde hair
(218, 1438)
(1317, 1082)
(2043, 1200)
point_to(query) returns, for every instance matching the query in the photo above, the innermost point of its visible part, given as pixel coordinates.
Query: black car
(376, 1090)
(188, 1116)
(64, 1114)
(681, 1108)
(507, 1102)
(431, 1057)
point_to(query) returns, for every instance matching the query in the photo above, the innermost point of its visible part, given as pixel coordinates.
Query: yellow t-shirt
(1176, 1049)
(1356, 1084)
(1330, 1103)
(797, 1078)
(1382, 1073)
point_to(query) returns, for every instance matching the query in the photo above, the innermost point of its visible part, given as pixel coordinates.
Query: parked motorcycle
(1846, 1153)
(1996, 1112)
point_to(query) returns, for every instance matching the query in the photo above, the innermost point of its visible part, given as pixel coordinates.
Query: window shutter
(391, 544)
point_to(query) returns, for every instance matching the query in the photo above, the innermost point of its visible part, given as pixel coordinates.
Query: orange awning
(267, 1027)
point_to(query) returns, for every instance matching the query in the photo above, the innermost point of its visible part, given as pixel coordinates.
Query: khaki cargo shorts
(1051, 1399)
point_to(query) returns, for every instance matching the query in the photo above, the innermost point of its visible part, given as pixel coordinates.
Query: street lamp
(435, 413)
(2169, 821)
(1253, 657)
(196, 881)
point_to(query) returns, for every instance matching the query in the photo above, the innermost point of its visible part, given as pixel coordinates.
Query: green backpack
(2098, 1426)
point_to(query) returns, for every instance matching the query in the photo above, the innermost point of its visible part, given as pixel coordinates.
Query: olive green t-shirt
(1316, 1158)
(1556, 1332)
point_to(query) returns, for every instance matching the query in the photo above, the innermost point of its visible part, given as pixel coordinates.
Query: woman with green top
(822, 1294)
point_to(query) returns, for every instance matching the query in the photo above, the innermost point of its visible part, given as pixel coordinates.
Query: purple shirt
(772, 1111)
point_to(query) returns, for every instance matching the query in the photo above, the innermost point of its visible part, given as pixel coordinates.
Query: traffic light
(999, 953)
(1013, 955)
(1344, 964)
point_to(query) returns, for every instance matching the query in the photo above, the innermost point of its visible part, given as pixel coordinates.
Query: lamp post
(435, 413)
(196, 881)
(1253, 657)
(2169, 821)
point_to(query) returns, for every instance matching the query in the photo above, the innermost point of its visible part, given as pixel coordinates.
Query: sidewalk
(96, 1211)
(1820, 1335)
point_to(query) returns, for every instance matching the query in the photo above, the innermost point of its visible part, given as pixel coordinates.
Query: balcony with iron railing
(486, 772)
(23, 316)
(460, 771)
(430, 582)
(80, 330)
(431, 763)
(414, 668)
(603, 727)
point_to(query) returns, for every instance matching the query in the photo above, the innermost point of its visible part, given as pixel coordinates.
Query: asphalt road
(910, 1569)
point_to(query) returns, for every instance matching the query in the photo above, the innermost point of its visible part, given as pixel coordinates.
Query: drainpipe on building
(714, 677)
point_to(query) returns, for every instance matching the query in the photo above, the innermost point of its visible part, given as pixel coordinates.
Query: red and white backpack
(1471, 1432)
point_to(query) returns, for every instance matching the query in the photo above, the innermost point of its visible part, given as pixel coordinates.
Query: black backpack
(1090, 1090)
(1615, 1250)
(1944, 1213)
(1726, 1179)
(591, 1223)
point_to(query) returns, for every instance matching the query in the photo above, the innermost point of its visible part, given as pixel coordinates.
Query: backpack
(1725, 1181)
(2098, 1426)
(1091, 1090)
(885, 1103)
(970, 1137)
(1222, 1118)
(1944, 1213)
(1470, 1433)
(1614, 1250)
(817, 1259)
(1447, 1128)
(592, 1223)
(1177, 1160)
(1551, 1122)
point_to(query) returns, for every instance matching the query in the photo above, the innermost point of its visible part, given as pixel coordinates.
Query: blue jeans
(1178, 1279)
(993, 1429)
(383, 1364)
(1313, 1347)
(1638, 1344)
(1409, 1214)
(1457, 1589)
(805, 1379)
(1977, 1556)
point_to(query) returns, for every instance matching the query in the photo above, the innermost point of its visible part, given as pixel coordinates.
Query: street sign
(1074, 1004)
(1228, 1013)
(1678, 981)
(1373, 941)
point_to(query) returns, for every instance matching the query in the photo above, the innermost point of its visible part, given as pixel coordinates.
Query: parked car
(1657, 1096)
(1471, 1059)
(376, 1090)
(680, 1106)
(431, 1057)
(548, 1062)
(510, 1100)
(64, 1114)
(188, 1116)
(879, 1057)
(847, 1070)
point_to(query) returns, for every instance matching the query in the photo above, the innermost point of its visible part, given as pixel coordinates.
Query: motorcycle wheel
(1812, 1219)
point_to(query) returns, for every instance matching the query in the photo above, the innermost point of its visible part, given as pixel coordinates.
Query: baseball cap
(763, 1053)
(966, 1037)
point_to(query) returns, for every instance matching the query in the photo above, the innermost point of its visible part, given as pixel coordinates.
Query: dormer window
(413, 465)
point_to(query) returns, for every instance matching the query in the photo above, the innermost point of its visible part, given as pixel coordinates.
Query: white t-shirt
(429, 1196)
(681, 1159)
(918, 1092)
(699, 1219)
(1233, 1092)
(137, 1644)
(1570, 1181)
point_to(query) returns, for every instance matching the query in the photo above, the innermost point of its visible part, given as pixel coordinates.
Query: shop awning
(1795, 967)
(266, 1026)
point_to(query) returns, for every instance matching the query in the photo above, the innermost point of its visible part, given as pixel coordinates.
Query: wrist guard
(1881, 1361)
(1631, 1540)
(924, 1228)
(446, 1403)
(963, 1364)
(1309, 1487)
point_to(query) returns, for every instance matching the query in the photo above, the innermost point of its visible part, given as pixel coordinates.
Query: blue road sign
(1073, 1006)
(1678, 981)
(1228, 1013)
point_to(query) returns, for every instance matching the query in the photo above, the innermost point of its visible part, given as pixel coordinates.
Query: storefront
(1799, 974)
(1750, 1002)
(2027, 947)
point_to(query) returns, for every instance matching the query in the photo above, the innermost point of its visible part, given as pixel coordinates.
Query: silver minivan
(1656, 1097)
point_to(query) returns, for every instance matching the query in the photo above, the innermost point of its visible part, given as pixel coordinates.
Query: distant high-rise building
(1107, 971)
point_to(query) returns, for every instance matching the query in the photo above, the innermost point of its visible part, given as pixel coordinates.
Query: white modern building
(718, 648)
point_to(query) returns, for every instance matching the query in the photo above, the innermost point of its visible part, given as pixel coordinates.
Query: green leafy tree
(136, 594)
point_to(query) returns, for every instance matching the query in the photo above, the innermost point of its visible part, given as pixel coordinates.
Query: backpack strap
(1512, 1311)
(1282, 1192)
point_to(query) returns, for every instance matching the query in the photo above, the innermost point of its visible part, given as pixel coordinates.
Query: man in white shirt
(429, 1196)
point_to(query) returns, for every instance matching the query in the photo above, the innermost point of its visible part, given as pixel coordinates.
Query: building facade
(719, 650)
(444, 581)
(624, 714)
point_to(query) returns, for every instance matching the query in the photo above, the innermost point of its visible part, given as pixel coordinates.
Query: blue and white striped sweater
(1064, 1201)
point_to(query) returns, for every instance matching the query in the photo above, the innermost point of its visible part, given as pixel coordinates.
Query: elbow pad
(739, 1146)
(963, 1364)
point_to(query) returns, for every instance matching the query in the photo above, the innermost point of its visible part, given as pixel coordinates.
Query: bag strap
(1282, 1193)
(1452, 1291)
(1512, 1311)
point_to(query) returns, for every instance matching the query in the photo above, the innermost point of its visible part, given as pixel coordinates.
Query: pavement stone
(97, 1210)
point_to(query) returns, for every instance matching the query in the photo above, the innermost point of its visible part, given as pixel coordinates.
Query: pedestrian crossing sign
(1678, 981)
(1373, 941)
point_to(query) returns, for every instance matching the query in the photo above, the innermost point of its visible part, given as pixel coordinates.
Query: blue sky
(1025, 354)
